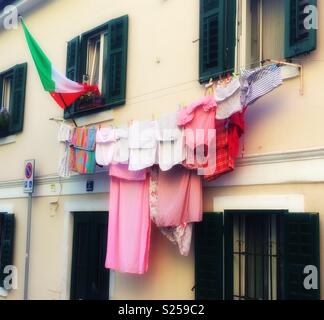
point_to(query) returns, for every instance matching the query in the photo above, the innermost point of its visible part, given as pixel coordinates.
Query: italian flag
(63, 90)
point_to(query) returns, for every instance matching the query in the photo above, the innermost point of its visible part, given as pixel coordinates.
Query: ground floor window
(89, 278)
(256, 255)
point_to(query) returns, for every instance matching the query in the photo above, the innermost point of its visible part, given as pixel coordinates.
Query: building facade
(156, 55)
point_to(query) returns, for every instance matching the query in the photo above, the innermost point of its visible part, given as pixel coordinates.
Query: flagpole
(60, 94)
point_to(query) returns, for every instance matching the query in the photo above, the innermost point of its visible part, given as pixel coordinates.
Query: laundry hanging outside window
(63, 90)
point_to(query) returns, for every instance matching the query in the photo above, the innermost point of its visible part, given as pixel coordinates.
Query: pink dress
(129, 226)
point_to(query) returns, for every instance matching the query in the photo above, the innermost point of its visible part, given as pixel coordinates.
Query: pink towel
(129, 227)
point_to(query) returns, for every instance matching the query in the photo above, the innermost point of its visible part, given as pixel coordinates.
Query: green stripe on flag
(43, 64)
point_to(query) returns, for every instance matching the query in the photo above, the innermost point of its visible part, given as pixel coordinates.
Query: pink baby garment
(129, 226)
(200, 116)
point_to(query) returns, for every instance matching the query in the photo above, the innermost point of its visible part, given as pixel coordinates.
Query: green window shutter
(17, 105)
(209, 257)
(72, 69)
(298, 40)
(299, 247)
(6, 243)
(89, 278)
(115, 62)
(217, 37)
(1, 88)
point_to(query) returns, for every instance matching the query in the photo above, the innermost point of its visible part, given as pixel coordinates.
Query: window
(7, 229)
(95, 61)
(99, 57)
(256, 255)
(217, 37)
(6, 91)
(90, 279)
(12, 99)
(238, 34)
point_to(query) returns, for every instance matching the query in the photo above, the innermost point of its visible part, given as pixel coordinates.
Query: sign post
(28, 188)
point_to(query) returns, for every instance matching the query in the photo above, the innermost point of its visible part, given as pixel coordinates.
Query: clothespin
(209, 88)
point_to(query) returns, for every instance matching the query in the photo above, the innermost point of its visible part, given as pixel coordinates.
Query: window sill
(7, 140)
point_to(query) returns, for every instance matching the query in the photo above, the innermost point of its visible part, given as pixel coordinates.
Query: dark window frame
(229, 251)
(18, 73)
(108, 102)
(91, 220)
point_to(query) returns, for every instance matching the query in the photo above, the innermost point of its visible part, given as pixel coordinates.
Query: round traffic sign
(28, 170)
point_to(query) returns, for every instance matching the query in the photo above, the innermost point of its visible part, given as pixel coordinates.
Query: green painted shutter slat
(298, 40)
(1, 87)
(209, 257)
(115, 62)
(299, 247)
(217, 38)
(6, 244)
(230, 35)
(17, 105)
(72, 69)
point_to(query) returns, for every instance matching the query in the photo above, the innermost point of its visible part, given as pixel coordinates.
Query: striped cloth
(82, 153)
(256, 83)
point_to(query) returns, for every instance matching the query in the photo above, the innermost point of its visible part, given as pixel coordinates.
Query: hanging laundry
(65, 135)
(83, 156)
(198, 121)
(200, 115)
(171, 149)
(256, 83)
(105, 146)
(121, 153)
(65, 132)
(176, 203)
(129, 225)
(142, 144)
(228, 134)
(228, 98)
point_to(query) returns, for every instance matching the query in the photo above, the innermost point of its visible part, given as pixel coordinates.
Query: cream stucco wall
(162, 74)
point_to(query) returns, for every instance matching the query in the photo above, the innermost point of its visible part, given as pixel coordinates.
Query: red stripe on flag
(64, 100)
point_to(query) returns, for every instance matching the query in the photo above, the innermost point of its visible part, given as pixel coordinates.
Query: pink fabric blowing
(179, 198)
(129, 225)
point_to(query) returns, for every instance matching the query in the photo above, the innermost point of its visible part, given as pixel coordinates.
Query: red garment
(228, 134)
(236, 130)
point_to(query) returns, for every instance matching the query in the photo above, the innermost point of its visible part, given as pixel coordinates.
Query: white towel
(105, 146)
(171, 149)
(142, 144)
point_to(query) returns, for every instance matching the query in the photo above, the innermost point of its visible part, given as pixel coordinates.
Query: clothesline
(157, 166)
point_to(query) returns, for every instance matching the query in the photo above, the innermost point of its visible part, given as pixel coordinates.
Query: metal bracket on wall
(296, 65)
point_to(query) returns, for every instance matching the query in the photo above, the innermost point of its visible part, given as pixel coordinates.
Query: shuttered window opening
(217, 37)
(12, 98)
(7, 233)
(104, 64)
(265, 254)
(89, 278)
(299, 40)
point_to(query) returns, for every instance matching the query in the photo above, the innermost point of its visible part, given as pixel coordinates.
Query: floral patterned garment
(180, 235)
